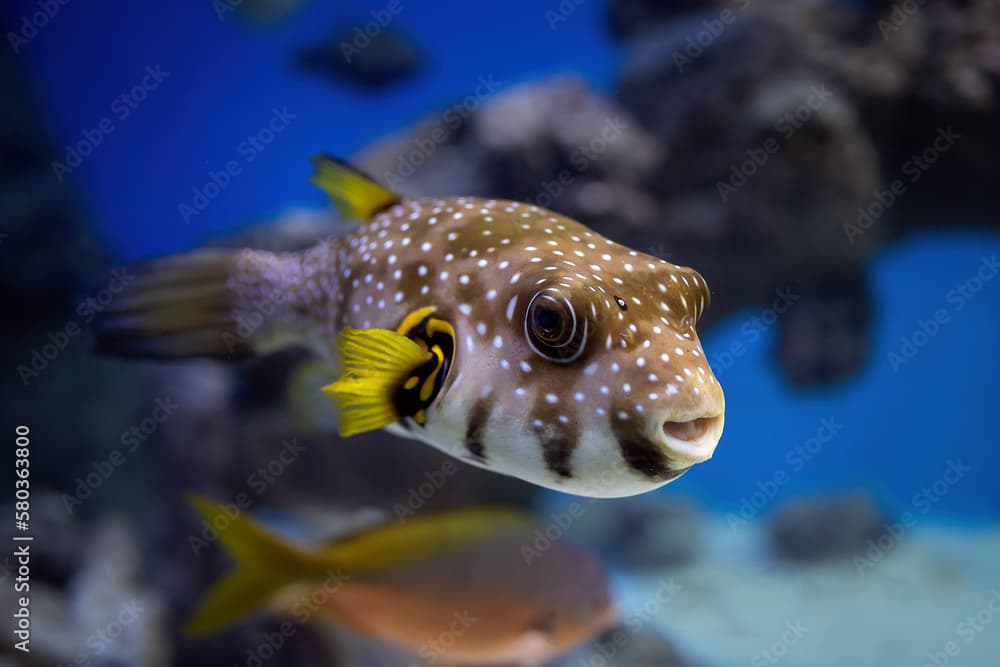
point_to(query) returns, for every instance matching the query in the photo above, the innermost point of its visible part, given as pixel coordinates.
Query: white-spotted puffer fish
(452, 587)
(501, 333)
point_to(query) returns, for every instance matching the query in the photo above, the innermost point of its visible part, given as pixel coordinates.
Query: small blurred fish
(502, 333)
(260, 12)
(359, 54)
(461, 574)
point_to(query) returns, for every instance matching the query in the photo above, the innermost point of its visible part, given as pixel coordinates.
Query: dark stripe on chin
(558, 441)
(474, 430)
(645, 457)
(557, 452)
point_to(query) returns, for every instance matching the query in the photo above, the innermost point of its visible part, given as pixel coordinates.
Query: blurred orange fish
(469, 575)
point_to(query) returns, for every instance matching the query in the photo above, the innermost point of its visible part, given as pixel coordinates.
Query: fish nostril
(689, 431)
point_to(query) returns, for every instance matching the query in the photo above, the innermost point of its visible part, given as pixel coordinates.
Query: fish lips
(648, 457)
(676, 447)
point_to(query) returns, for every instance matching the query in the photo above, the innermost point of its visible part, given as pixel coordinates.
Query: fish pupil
(549, 324)
(553, 330)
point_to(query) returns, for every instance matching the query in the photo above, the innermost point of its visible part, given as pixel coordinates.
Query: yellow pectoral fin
(376, 362)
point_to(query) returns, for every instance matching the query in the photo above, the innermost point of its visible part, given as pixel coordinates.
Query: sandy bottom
(931, 598)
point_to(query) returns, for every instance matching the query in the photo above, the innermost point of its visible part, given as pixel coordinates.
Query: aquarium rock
(808, 530)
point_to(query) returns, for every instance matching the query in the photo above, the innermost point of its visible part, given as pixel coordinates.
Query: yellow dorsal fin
(375, 363)
(264, 566)
(356, 195)
(420, 538)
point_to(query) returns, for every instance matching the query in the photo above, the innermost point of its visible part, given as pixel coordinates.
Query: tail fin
(174, 307)
(264, 565)
(223, 304)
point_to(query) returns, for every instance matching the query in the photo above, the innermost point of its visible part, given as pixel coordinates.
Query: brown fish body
(464, 586)
(486, 605)
(581, 427)
(572, 361)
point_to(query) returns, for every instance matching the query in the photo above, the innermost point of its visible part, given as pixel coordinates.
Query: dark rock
(45, 243)
(232, 439)
(809, 530)
(105, 614)
(49, 253)
(752, 153)
(562, 146)
(556, 144)
(630, 18)
(776, 180)
(55, 549)
(293, 231)
(642, 532)
(641, 646)
(361, 56)
(824, 336)
(261, 12)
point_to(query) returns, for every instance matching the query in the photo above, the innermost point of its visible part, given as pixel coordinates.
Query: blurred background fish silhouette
(458, 587)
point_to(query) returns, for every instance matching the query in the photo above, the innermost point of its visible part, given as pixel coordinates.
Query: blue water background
(901, 429)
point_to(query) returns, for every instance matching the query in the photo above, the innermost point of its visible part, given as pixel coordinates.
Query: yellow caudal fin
(264, 565)
(376, 364)
(356, 195)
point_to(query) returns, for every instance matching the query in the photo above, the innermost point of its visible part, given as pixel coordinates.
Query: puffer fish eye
(552, 328)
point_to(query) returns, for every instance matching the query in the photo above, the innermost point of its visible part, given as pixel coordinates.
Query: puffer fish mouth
(692, 440)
